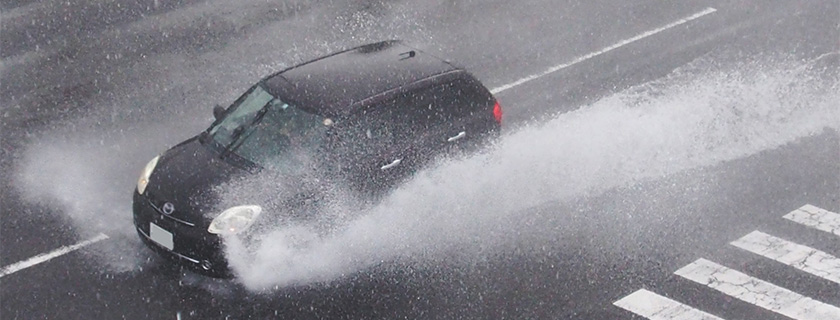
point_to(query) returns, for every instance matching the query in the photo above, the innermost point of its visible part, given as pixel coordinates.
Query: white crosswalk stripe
(804, 258)
(757, 292)
(817, 218)
(749, 289)
(655, 307)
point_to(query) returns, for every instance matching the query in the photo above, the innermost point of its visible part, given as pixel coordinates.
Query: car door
(417, 125)
(467, 113)
(375, 149)
(405, 132)
(456, 115)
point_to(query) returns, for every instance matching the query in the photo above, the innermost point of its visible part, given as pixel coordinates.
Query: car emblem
(168, 208)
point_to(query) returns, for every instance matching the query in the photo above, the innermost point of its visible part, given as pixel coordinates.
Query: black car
(366, 117)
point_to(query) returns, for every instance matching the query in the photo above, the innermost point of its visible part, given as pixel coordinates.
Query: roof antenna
(407, 55)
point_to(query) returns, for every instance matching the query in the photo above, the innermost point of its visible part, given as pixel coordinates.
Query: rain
(638, 139)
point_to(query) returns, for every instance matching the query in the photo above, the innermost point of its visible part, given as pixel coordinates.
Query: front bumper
(192, 246)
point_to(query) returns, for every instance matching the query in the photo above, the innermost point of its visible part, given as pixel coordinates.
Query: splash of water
(87, 177)
(84, 168)
(699, 116)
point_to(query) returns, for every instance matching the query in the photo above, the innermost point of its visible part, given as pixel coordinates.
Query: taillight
(497, 112)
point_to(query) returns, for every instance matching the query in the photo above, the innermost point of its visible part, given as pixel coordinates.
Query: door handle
(391, 165)
(457, 136)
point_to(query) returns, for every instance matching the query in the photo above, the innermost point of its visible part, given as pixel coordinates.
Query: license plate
(161, 236)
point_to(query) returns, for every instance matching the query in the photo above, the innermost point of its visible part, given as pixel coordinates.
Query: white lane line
(603, 51)
(816, 218)
(655, 307)
(804, 258)
(44, 257)
(758, 292)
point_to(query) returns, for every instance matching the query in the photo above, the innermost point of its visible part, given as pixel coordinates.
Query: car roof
(333, 84)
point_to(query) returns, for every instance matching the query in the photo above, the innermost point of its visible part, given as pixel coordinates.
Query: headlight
(144, 175)
(234, 220)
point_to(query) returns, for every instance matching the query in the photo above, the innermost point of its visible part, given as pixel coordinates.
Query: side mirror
(218, 112)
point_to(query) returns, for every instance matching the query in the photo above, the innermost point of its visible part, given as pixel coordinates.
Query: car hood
(185, 176)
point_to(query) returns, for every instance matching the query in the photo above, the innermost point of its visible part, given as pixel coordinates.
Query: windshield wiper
(234, 138)
(237, 132)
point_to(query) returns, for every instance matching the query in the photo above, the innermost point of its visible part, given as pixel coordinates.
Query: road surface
(662, 159)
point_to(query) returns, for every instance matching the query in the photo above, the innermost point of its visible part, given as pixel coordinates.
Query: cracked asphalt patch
(752, 290)
(816, 218)
(804, 258)
(758, 292)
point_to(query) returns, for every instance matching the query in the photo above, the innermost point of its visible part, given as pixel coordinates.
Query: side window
(366, 133)
(414, 113)
(412, 116)
(376, 130)
(441, 104)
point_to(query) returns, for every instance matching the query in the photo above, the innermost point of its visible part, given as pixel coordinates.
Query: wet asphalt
(71, 66)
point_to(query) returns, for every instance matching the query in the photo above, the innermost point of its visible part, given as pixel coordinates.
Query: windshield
(268, 131)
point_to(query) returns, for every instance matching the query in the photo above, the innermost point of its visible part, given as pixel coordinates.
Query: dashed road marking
(655, 307)
(44, 257)
(603, 51)
(758, 292)
(816, 218)
(804, 258)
